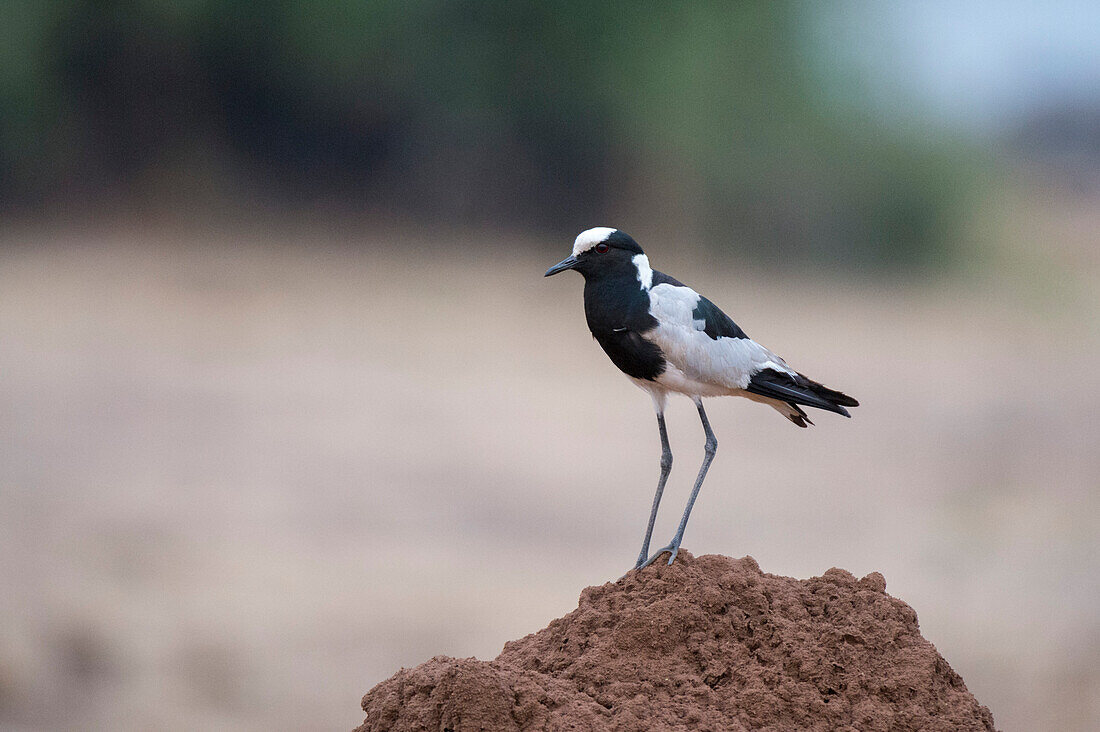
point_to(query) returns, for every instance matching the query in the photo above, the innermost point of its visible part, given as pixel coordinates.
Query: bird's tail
(838, 398)
(795, 390)
(794, 413)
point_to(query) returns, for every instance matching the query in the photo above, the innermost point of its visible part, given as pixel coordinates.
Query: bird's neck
(613, 298)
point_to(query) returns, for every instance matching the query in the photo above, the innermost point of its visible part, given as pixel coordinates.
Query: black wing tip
(834, 408)
(830, 405)
(798, 389)
(838, 398)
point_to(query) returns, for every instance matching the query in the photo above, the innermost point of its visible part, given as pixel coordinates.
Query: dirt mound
(710, 643)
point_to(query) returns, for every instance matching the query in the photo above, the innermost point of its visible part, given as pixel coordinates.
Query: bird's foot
(673, 549)
(638, 564)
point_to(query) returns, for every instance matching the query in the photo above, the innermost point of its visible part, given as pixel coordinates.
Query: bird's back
(713, 353)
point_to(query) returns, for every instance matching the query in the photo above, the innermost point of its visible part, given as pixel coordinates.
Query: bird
(668, 339)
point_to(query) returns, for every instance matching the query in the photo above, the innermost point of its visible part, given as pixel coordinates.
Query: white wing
(724, 362)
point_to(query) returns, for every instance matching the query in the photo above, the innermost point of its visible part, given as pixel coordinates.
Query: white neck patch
(645, 272)
(588, 239)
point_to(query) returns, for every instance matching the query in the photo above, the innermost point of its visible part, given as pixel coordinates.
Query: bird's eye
(602, 247)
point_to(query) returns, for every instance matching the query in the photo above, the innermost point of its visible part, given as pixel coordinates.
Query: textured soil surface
(710, 643)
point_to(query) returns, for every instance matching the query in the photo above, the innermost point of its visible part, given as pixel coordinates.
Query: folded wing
(708, 347)
(794, 388)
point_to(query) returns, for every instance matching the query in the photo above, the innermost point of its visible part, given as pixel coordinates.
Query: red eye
(602, 247)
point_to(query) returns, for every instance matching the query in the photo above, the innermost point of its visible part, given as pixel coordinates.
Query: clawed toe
(671, 549)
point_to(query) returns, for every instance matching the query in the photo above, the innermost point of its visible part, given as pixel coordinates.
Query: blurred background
(285, 403)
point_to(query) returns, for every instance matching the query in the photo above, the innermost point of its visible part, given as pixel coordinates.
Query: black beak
(561, 266)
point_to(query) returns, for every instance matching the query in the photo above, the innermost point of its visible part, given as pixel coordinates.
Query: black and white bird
(667, 338)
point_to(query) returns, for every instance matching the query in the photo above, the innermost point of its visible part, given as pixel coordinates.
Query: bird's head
(598, 251)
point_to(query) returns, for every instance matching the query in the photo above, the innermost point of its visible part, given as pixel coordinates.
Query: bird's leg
(666, 468)
(710, 448)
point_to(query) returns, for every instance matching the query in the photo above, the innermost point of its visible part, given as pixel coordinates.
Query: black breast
(617, 310)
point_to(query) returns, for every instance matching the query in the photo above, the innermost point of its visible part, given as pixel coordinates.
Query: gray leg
(710, 448)
(666, 468)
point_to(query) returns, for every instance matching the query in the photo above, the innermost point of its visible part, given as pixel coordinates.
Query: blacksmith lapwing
(667, 338)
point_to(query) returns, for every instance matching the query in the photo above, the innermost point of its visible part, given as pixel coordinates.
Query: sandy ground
(242, 482)
(708, 643)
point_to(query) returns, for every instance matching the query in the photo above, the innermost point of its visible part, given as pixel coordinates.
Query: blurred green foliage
(517, 114)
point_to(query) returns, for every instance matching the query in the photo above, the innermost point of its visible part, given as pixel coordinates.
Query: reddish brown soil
(710, 643)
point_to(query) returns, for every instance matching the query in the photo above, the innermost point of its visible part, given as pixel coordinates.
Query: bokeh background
(285, 403)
